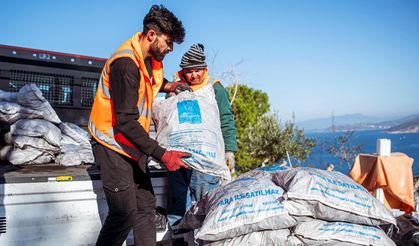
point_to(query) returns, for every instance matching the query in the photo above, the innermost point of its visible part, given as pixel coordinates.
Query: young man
(188, 186)
(120, 121)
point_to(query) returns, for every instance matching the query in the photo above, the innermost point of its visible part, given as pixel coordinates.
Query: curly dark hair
(163, 21)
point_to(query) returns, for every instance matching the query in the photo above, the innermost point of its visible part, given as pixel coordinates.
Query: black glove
(176, 87)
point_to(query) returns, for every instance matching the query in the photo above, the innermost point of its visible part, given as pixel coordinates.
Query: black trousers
(130, 199)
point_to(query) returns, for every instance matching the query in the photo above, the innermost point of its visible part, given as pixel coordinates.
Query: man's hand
(231, 163)
(176, 87)
(173, 160)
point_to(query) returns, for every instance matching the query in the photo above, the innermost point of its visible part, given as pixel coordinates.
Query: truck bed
(53, 172)
(56, 205)
(50, 204)
(46, 172)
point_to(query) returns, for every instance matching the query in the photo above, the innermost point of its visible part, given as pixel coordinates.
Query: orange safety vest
(204, 80)
(102, 118)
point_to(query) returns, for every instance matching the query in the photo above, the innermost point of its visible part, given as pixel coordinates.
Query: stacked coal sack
(37, 135)
(295, 206)
(333, 209)
(31, 141)
(246, 211)
(75, 146)
(28, 103)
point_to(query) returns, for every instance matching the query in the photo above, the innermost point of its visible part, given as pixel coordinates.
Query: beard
(155, 52)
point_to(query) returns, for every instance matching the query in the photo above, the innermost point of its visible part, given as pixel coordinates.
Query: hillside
(359, 122)
(322, 124)
(383, 125)
(411, 126)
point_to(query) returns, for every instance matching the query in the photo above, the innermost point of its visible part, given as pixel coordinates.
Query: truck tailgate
(51, 205)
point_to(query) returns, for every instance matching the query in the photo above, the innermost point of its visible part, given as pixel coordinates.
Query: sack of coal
(190, 122)
(37, 128)
(30, 96)
(330, 196)
(318, 232)
(266, 172)
(243, 206)
(265, 238)
(26, 156)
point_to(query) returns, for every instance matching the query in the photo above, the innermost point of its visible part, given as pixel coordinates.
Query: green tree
(268, 141)
(261, 139)
(249, 104)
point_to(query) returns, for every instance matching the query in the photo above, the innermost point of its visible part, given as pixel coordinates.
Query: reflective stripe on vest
(141, 110)
(102, 118)
(105, 140)
(102, 86)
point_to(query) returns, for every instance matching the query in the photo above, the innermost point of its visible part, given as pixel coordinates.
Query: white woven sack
(66, 140)
(21, 141)
(190, 122)
(294, 241)
(25, 156)
(330, 196)
(266, 172)
(37, 128)
(243, 206)
(11, 112)
(318, 231)
(75, 132)
(30, 96)
(73, 153)
(265, 238)
(8, 96)
(195, 216)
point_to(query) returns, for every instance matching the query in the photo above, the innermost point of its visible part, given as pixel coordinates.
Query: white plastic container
(383, 147)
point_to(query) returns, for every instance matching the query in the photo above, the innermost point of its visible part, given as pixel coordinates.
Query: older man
(188, 186)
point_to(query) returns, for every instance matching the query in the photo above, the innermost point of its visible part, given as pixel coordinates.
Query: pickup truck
(51, 204)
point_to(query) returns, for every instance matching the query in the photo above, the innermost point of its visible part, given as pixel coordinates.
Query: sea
(407, 143)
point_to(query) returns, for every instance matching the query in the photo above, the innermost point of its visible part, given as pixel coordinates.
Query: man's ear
(151, 36)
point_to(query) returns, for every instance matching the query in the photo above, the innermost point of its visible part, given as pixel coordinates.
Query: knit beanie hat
(194, 57)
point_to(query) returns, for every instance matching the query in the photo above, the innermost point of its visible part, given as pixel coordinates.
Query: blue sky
(312, 57)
